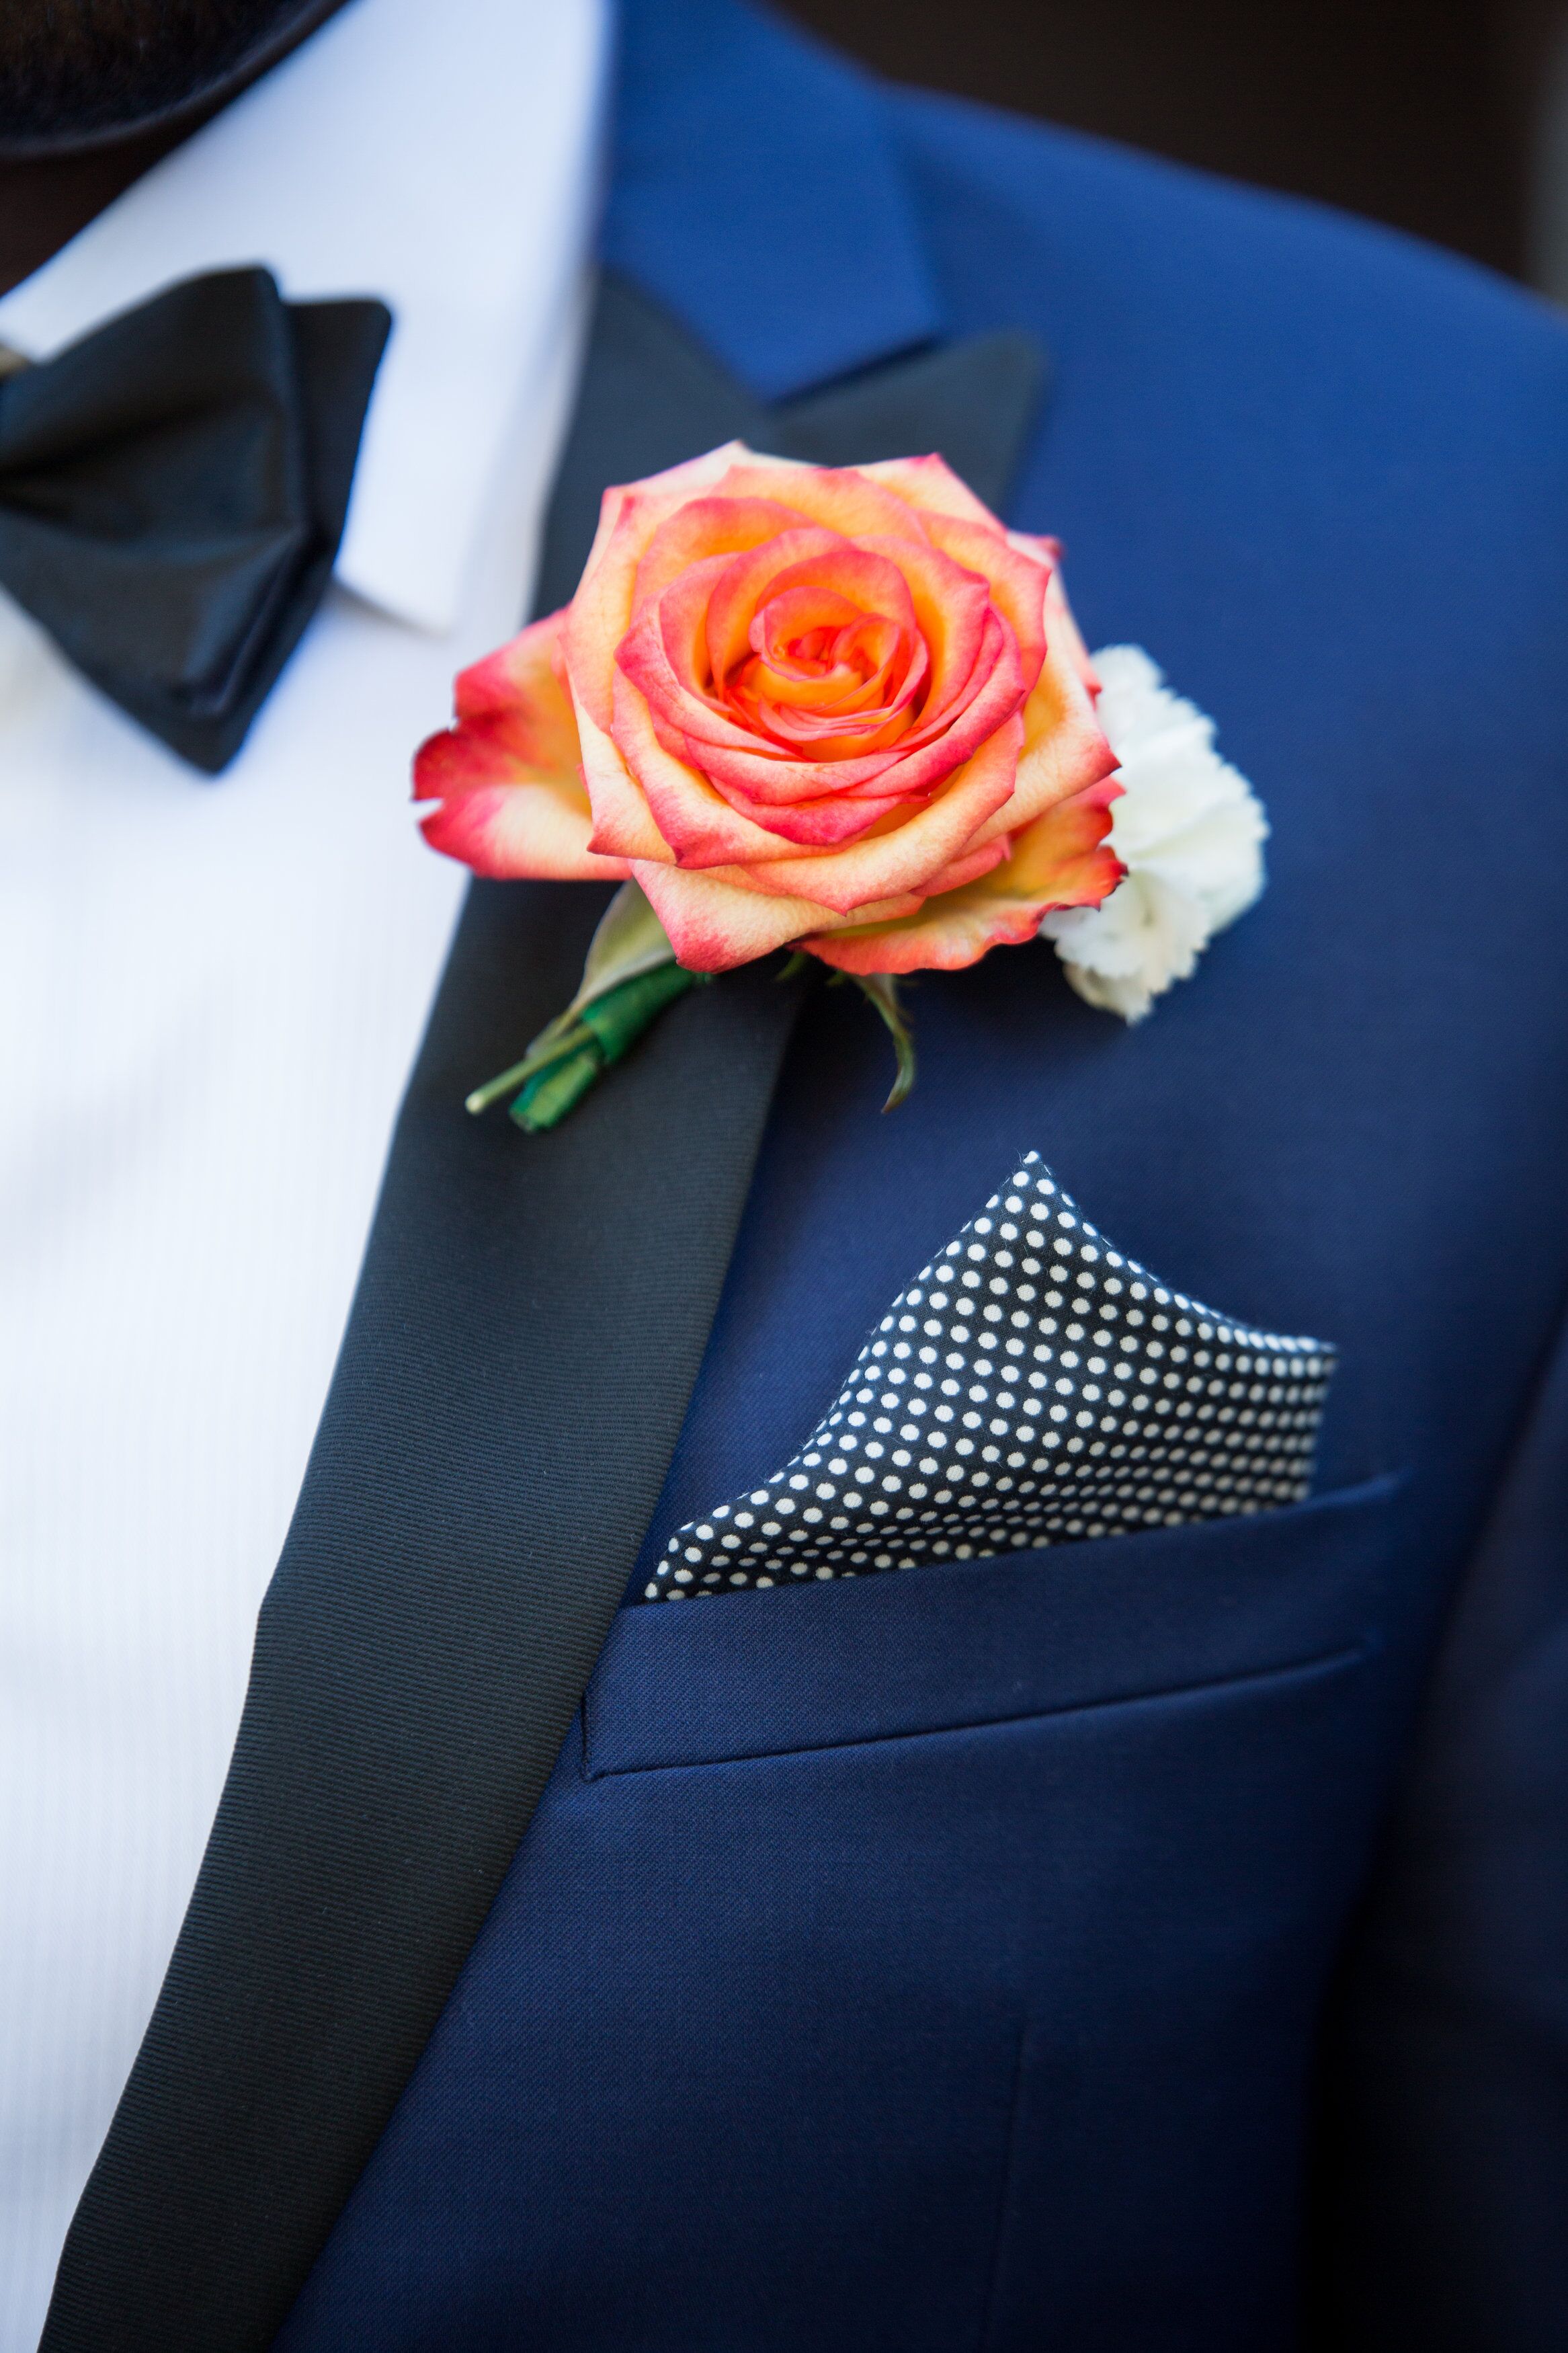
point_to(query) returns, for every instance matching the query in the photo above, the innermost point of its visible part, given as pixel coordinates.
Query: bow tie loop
(174, 489)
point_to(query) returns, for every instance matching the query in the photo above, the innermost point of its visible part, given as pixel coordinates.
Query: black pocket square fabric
(1032, 1386)
(172, 490)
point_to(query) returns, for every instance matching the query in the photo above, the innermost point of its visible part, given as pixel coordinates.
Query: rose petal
(538, 830)
(1064, 749)
(665, 668)
(707, 527)
(1018, 583)
(952, 608)
(1061, 623)
(846, 498)
(714, 926)
(718, 745)
(807, 558)
(623, 822)
(506, 775)
(921, 760)
(975, 684)
(967, 867)
(703, 826)
(663, 654)
(930, 485)
(510, 709)
(805, 700)
(599, 613)
(917, 846)
(1061, 861)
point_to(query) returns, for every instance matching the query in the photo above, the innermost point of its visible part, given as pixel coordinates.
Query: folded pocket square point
(1032, 1386)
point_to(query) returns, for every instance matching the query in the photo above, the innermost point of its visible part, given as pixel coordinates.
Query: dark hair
(74, 70)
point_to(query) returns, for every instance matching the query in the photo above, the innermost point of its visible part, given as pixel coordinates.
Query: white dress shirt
(211, 993)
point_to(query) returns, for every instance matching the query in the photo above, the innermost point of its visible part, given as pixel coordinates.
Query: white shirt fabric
(211, 993)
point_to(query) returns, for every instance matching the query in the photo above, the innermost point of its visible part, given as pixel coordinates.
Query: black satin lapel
(525, 1336)
(973, 402)
(528, 1326)
(653, 396)
(658, 397)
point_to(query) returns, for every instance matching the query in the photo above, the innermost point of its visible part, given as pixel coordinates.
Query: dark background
(1421, 112)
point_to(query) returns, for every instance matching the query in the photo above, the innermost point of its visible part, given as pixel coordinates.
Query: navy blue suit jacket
(1160, 1942)
(1132, 1946)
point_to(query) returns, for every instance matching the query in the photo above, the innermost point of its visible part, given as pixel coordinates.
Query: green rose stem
(881, 990)
(556, 1076)
(628, 979)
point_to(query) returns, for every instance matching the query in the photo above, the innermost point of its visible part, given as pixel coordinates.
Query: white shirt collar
(444, 158)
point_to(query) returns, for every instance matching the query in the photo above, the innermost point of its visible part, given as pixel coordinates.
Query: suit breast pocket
(957, 1643)
(978, 1916)
(965, 1879)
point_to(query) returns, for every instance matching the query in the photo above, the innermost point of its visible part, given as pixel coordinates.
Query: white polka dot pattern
(1031, 1387)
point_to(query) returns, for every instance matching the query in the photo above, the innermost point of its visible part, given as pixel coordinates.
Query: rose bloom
(841, 709)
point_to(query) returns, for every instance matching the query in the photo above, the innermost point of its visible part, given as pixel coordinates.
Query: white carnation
(1190, 831)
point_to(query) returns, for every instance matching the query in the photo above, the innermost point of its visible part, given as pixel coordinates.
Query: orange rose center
(825, 673)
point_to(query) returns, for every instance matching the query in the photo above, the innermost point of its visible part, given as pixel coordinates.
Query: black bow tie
(172, 490)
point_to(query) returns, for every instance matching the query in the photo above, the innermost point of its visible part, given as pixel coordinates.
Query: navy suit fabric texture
(1074, 1949)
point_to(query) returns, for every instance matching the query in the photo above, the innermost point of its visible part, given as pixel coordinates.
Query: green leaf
(630, 941)
(881, 990)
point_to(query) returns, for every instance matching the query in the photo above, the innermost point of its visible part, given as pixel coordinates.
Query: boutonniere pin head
(843, 711)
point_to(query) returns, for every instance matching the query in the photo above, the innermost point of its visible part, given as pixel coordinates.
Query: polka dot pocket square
(1030, 1386)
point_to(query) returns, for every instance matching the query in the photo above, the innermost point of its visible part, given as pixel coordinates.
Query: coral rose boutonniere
(843, 713)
